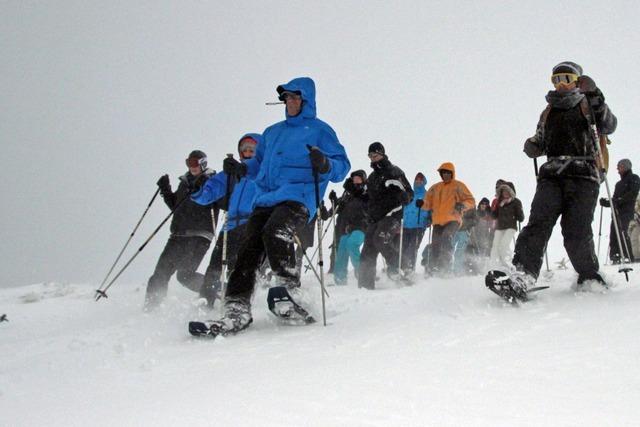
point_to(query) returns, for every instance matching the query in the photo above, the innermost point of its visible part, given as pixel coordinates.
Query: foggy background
(98, 99)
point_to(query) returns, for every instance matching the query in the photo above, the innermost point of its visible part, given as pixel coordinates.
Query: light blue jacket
(411, 218)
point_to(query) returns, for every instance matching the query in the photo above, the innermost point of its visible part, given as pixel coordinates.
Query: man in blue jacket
(238, 207)
(415, 220)
(289, 155)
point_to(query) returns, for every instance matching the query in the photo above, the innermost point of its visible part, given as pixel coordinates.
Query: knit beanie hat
(625, 163)
(567, 67)
(376, 147)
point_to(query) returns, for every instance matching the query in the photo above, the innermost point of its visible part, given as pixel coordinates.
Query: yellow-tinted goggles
(567, 78)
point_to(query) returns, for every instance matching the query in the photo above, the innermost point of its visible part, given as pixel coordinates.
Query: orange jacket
(441, 199)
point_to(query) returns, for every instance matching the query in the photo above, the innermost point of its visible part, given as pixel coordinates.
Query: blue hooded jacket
(411, 219)
(282, 166)
(242, 195)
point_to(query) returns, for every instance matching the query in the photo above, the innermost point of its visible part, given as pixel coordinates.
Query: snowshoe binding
(237, 317)
(512, 290)
(282, 305)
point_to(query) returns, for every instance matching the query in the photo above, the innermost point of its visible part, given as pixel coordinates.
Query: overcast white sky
(98, 99)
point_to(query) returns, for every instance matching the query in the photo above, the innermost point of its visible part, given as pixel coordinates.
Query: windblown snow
(442, 352)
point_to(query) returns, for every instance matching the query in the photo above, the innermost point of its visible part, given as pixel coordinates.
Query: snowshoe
(506, 288)
(237, 317)
(282, 305)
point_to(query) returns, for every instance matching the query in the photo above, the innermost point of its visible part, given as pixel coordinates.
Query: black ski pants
(411, 239)
(614, 249)
(573, 199)
(382, 237)
(269, 233)
(442, 246)
(181, 254)
(212, 277)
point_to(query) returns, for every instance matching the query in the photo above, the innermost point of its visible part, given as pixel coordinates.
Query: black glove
(324, 213)
(459, 207)
(163, 184)
(333, 197)
(604, 202)
(349, 186)
(319, 161)
(232, 167)
(198, 183)
(532, 149)
(419, 203)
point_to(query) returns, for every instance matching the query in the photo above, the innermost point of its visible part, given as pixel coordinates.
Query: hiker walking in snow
(388, 191)
(624, 198)
(569, 181)
(447, 200)
(507, 212)
(283, 169)
(416, 221)
(238, 207)
(191, 232)
(351, 211)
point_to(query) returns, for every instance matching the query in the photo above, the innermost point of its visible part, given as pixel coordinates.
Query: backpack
(603, 140)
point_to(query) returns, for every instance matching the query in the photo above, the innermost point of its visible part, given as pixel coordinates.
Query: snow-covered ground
(443, 352)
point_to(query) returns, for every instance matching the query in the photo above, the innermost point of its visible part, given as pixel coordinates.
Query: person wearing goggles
(191, 232)
(569, 182)
(239, 207)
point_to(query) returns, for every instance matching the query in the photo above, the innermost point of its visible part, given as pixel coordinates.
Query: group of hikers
(273, 195)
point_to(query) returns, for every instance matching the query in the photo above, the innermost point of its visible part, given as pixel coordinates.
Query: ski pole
(313, 255)
(225, 226)
(304, 253)
(334, 249)
(600, 230)
(596, 142)
(623, 234)
(129, 239)
(103, 292)
(316, 183)
(400, 246)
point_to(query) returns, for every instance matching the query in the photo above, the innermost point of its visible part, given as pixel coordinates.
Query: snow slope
(443, 352)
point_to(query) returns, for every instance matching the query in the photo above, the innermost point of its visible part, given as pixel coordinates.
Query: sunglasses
(567, 78)
(286, 95)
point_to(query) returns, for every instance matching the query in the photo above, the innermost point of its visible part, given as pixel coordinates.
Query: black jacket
(190, 218)
(625, 194)
(352, 212)
(564, 130)
(388, 191)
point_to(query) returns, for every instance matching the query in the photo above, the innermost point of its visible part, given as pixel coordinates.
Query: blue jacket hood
(413, 216)
(307, 89)
(255, 136)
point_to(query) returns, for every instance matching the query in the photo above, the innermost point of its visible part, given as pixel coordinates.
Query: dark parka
(625, 194)
(388, 190)
(510, 213)
(190, 218)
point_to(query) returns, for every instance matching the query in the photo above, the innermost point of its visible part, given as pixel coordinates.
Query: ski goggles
(287, 94)
(194, 162)
(566, 78)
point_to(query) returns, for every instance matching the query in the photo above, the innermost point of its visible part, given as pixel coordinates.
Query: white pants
(501, 248)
